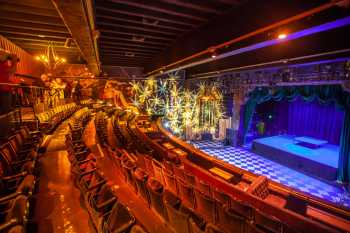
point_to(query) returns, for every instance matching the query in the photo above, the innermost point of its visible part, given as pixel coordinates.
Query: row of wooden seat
(49, 120)
(19, 170)
(193, 191)
(106, 212)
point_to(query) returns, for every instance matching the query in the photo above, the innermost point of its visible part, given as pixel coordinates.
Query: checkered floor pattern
(247, 160)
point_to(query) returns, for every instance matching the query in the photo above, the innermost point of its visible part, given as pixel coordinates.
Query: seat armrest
(97, 185)
(19, 175)
(9, 197)
(21, 162)
(106, 203)
(86, 161)
(8, 224)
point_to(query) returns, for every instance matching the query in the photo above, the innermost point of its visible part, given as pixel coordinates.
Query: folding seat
(168, 166)
(156, 191)
(149, 165)
(186, 193)
(179, 172)
(90, 180)
(128, 170)
(170, 182)
(210, 228)
(194, 227)
(30, 137)
(178, 220)
(14, 164)
(16, 215)
(22, 153)
(242, 209)
(190, 178)
(267, 223)
(221, 197)
(100, 201)
(229, 221)
(120, 220)
(141, 177)
(137, 229)
(158, 173)
(204, 187)
(205, 205)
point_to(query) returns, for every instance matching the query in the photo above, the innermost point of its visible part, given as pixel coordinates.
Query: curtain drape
(326, 94)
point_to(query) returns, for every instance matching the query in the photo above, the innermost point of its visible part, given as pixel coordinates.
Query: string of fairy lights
(198, 110)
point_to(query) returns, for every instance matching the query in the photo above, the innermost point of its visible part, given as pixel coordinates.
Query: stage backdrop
(324, 94)
(301, 118)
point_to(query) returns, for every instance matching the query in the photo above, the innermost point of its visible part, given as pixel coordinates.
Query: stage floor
(259, 165)
(327, 154)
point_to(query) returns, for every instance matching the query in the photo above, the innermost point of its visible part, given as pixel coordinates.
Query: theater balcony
(174, 116)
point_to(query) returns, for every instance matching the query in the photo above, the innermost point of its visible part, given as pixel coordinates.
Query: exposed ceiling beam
(169, 10)
(145, 28)
(31, 32)
(43, 46)
(108, 38)
(147, 15)
(75, 16)
(27, 17)
(111, 48)
(18, 40)
(190, 5)
(111, 44)
(122, 54)
(133, 33)
(120, 18)
(27, 25)
(13, 7)
(12, 36)
(43, 4)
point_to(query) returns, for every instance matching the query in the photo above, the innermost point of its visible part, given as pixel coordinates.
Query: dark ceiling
(135, 31)
(32, 24)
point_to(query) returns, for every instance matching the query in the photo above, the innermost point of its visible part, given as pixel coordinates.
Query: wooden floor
(58, 205)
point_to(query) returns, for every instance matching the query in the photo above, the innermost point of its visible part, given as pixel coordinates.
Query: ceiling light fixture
(50, 59)
(282, 36)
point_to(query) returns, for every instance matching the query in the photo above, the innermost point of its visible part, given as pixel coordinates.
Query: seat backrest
(190, 178)
(210, 228)
(170, 182)
(137, 229)
(229, 221)
(221, 197)
(186, 193)
(260, 187)
(120, 219)
(158, 173)
(267, 222)
(194, 227)
(8, 156)
(177, 219)
(204, 187)
(17, 229)
(179, 172)
(156, 191)
(205, 205)
(19, 210)
(242, 209)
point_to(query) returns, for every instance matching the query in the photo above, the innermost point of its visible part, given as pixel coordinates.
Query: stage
(320, 161)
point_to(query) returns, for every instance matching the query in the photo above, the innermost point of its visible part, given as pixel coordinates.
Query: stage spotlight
(282, 36)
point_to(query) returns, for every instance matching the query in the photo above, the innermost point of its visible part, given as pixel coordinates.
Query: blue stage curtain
(344, 154)
(326, 94)
(305, 118)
